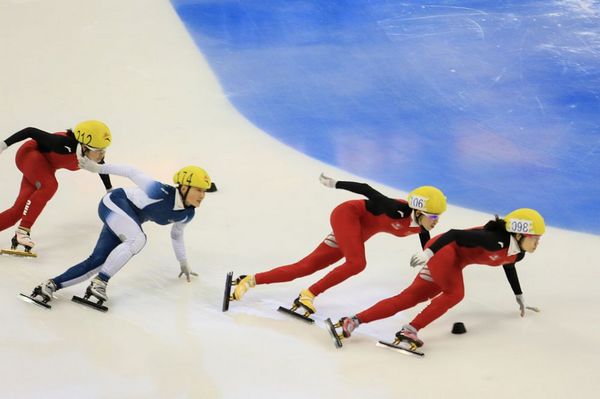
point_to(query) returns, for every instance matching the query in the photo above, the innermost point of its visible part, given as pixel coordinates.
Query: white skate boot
(97, 288)
(348, 325)
(45, 290)
(409, 334)
(23, 238)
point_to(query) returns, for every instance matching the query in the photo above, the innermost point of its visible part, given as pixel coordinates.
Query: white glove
(3, 146)
(522, 306)
(421, 258)
(327, 181)
(185, 269)
(88, 164)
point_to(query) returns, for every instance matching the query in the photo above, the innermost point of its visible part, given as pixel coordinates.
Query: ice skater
(123, 211)
(353, 223)
(500, 242)
(39, 159)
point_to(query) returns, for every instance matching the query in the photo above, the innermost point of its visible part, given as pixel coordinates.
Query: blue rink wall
(497, 103)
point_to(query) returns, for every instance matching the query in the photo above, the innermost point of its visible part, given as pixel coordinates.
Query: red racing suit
(39, 159)
(353, 223)
(441, 279)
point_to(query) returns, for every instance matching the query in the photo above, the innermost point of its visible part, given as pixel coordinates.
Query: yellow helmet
(193, 176)
(525, 221)
(94, 134)
(427, 199)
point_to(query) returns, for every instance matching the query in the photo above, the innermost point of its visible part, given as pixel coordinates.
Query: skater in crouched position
(353, 223)
(499, 242)
(39, 159)
(123, 211)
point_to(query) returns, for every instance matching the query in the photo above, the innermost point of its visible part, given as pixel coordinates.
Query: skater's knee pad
(48, 186)
(135, 243)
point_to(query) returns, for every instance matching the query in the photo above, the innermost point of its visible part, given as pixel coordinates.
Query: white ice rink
(132, 64)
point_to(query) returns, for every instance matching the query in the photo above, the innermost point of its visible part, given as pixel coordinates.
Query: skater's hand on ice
(185, 269)
(3, 146)
(421, 258)
(327, 181)
(88, 164)
(522, 306)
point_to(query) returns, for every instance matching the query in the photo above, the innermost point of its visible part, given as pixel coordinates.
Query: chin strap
(184, 197)
(520, 240)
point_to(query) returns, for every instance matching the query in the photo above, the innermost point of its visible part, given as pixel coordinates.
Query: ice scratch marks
(430, 20)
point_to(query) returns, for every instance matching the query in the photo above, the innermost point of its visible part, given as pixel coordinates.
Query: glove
(185, 269)
(522, 306)
(88, 164)
(3, 146)
(421, 258)
(327, 181)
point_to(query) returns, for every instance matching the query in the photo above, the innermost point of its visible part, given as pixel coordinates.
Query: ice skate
(42, 294)
(409, 334)
(346, 326)
(405, 347)
(242, 284)
(45, 290)
(406, 341)
(304, 301)
(96, 289)
(22, 237)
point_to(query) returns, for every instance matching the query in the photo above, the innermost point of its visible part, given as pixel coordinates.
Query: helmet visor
(94, 149)
(431, 216)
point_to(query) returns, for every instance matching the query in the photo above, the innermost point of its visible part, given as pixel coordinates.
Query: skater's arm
(105, 178)
(146, 183)
(377, 203)
(513, 278)
(179, 248)
(360, 188)
(44, 139)
(424, 236)
(488, 240)
(178, 242)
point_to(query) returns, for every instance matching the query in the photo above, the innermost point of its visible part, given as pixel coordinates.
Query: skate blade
(15, 252)
(90, 304)
(337, 341)
(296, 315)
(227, 294)
(406, 350)
(30, 299)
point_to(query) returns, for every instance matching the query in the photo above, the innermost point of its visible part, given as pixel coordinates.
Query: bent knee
(356, 266)
(454, 297)
(136, 243)
(48, 187)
